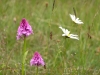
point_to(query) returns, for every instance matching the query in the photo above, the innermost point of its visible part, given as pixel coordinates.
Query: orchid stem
(23, 61)
(37, 71)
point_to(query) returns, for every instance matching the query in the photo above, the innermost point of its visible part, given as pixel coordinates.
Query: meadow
(62, 56)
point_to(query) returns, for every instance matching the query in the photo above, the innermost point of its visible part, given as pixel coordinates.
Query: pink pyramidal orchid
(24, 29)
(37, 60)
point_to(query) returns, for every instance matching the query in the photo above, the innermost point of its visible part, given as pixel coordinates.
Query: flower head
(76, 20)
(24, 29)
(67, 34)
(37, 60)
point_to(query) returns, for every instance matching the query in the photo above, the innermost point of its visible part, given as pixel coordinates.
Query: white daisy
(67, 34)
(76, 20)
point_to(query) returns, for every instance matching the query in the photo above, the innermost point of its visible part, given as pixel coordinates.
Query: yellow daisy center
(68, 35)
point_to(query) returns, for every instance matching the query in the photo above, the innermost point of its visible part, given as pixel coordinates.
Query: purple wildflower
(24, 29)
(37, 60)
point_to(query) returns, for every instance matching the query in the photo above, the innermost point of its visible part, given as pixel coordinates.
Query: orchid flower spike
(24, 29)
(37, 60)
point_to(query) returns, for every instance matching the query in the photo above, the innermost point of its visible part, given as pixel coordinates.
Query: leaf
(24, 57)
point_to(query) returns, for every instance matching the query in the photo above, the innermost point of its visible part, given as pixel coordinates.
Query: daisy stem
(37, 70)
(23, 59)
(59, 51)
(65, 44)
(56, 57)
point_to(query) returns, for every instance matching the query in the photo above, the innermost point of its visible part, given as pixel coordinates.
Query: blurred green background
(62, 56)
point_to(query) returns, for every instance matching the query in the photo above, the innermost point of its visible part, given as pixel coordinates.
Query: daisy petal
(63, 34)
(74, 38)
(73, 35)
(63, 29)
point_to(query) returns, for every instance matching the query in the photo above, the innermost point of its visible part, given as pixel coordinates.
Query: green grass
(62, 57)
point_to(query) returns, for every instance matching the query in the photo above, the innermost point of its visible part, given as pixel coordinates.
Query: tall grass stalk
(50, 32)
